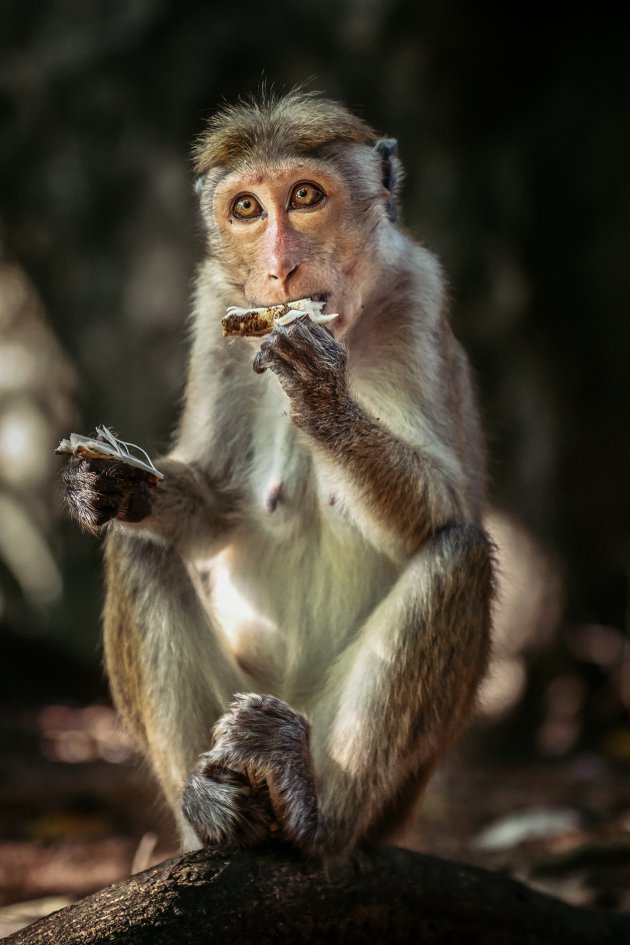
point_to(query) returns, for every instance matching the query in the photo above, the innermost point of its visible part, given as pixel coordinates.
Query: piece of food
(106, 446)
(256, 322)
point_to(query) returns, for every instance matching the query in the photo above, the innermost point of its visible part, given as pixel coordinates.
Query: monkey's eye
(305, 195)
(246, 207)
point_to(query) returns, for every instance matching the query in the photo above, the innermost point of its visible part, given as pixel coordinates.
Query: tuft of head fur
(271, 127)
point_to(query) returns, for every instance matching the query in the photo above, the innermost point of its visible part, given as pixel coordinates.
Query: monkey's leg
(390, 707)
(422, 652)
(171, 677)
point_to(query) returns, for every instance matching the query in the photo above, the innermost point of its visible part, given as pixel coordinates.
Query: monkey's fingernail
(262, 360)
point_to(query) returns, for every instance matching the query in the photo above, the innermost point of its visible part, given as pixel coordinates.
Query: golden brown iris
(305, 195)
(246, 207)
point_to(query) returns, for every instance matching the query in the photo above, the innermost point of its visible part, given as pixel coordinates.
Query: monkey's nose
(280, 268)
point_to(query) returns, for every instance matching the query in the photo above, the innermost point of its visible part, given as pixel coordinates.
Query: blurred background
(514, 130)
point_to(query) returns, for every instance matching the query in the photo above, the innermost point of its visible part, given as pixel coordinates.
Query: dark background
(513, 127)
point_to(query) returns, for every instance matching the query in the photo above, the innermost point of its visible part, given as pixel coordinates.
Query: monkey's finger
(262, 361)
(321, 331)
(269, 357)
(212, 765)
(296, 352)
(317, 347)
(330, 350)
(235, 763)
(265, 355)
(307, 335)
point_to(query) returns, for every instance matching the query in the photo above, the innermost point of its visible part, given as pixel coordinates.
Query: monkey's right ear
(392, 173)
(199, 184)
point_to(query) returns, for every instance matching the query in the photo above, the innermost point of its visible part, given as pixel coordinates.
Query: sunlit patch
(503, 686)
(343, 740)
(385, 650)
(595, 643)
(73, 735)
(525, 825)
(24, 450)
(18, 367)
(529, 601)
(27, 555)
(530, 594)
(233, 609)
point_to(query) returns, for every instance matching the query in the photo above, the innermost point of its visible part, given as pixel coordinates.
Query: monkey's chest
(287, 504)
(290, 488)
(299, 578)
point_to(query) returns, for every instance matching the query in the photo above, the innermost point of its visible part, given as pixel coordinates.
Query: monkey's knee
(463, 556)
(224, 809)
(457, 578)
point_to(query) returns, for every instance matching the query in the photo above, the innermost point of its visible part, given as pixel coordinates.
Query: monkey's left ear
(392, 173)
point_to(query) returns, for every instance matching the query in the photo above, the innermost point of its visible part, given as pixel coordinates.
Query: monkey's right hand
(99, 490)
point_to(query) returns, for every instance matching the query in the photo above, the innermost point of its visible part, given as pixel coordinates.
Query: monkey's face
(297, 230)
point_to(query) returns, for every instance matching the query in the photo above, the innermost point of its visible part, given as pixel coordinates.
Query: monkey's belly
(288, 609)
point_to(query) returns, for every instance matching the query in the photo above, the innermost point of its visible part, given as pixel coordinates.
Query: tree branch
(264, 895)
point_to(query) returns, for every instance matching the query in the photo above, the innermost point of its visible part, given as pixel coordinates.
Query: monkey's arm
(403, 490)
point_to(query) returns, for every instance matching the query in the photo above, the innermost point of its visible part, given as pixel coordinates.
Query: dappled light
(23, 440)
(75, 735)
(26, 553)
(528, 610)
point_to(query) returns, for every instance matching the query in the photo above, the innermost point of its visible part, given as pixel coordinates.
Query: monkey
(298, 616)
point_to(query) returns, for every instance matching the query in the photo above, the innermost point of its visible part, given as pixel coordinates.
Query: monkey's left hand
(311, 367)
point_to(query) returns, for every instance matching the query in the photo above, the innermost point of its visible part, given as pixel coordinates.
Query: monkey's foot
(224, 808)
(259, 734)
(270, 742)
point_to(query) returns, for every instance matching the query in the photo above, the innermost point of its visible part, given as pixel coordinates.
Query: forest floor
(77, 812)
